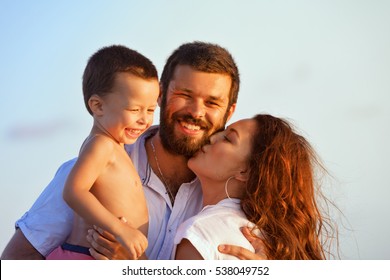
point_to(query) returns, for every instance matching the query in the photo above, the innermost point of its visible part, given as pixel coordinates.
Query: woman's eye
(226, 138)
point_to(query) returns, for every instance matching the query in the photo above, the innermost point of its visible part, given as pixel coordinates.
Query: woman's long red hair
(281, 193)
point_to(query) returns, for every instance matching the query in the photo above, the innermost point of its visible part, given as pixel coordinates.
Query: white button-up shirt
(49, 221)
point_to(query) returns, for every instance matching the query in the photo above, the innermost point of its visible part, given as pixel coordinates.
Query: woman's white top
(215, 225)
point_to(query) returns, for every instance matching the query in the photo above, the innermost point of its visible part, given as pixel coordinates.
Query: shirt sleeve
(49, 221)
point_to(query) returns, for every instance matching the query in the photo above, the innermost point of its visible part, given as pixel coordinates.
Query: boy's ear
(95, 103)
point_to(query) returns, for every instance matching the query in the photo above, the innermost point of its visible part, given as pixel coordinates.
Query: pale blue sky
(323, 64)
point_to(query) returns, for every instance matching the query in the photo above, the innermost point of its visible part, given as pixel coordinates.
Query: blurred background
(324, 65)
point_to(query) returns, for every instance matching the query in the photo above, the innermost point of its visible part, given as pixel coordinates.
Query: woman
(257, 173)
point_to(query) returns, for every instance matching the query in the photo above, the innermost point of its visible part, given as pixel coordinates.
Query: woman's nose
(215, 137)
(212, 139)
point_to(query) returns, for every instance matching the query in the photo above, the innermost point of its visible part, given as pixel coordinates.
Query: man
(199, 89)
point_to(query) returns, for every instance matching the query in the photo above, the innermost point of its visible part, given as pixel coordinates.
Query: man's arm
(19, 248)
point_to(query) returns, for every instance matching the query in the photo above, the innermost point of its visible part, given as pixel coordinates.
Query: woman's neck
(214, 191)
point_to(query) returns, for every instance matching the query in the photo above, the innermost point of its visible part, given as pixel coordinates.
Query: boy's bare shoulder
(99, 141)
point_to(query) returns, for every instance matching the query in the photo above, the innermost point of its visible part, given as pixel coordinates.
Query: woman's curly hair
(281, 195)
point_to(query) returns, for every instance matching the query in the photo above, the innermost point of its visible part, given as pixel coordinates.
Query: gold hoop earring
(226, 185)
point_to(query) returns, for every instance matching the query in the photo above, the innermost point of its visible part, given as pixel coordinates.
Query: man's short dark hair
(204, 57)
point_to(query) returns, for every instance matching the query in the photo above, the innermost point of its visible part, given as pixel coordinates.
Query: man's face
(194, 108)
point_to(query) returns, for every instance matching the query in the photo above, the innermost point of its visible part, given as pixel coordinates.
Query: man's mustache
(195, 121)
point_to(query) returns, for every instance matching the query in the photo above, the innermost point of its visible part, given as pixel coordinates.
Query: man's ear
(95, 103)
(231, 111)
(159, 99)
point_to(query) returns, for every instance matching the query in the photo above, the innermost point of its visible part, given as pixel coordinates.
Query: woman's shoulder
(218, 217)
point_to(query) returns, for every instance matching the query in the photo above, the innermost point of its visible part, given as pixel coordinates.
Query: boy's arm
(19, 248)
(93, 159)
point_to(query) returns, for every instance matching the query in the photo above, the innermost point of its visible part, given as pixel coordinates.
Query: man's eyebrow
(215, 98)
(187, 90)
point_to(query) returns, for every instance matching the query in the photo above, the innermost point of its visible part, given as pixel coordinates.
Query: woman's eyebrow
(234, 131)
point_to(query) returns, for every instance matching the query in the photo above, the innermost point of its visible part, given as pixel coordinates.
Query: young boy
(120, 88)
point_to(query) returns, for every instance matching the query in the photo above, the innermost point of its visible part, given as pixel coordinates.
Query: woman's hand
(242, 253)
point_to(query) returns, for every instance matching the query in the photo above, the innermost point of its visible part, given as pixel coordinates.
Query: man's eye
(225, 138)
(183, 94)
(212, 103)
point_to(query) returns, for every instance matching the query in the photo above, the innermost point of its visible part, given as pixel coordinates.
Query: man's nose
(197, 109)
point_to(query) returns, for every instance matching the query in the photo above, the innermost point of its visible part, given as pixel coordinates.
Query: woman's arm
(186, 251)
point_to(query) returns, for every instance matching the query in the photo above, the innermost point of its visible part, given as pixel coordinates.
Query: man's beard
(184, 145)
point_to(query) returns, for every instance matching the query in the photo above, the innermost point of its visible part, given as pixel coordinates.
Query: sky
(323, 65)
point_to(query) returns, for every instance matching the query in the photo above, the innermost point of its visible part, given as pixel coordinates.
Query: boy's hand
(133, 240)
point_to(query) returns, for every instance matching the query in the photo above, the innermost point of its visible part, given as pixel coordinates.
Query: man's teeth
(190, 126)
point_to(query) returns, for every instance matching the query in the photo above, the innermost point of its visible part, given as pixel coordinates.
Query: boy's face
(195, 107)
(128, 110)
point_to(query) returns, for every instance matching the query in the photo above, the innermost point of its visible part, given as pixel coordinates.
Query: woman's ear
(95, 103)
(243, 175)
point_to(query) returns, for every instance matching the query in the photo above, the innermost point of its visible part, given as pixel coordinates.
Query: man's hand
(242, 253)
(104, 246)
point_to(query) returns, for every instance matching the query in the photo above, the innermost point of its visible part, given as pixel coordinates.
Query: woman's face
(227, 154)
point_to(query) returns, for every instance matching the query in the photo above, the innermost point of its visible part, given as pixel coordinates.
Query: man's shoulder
(67, 165)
